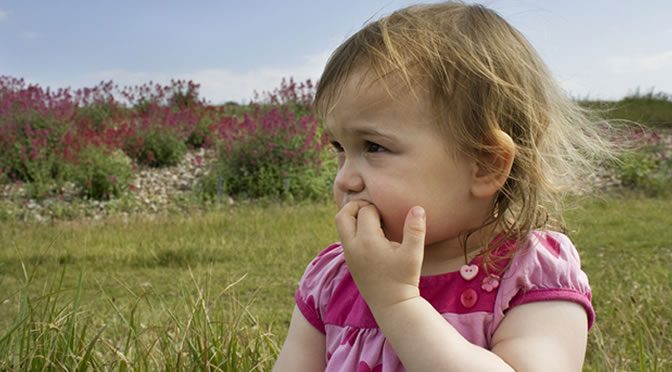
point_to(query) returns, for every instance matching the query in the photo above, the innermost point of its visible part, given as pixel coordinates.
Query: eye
(374, 147)
(336, 146)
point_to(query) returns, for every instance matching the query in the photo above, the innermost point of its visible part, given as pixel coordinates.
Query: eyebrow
(363, 132)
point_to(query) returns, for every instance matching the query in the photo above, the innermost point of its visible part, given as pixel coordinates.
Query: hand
(385, 272)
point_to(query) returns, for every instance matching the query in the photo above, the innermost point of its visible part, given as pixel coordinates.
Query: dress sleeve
(548, 268)
(317, 283)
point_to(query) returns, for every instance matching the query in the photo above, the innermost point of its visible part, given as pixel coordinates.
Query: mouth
(382, 223)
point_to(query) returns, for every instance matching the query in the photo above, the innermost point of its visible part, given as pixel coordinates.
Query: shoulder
(546, 267)
(317, 284)
(324, 266)
(548, 259)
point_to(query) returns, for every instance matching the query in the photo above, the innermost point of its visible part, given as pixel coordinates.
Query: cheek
(393, 200)
(393, 217)
(393, 225)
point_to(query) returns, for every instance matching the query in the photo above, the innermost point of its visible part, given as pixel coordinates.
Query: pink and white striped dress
(547, 267)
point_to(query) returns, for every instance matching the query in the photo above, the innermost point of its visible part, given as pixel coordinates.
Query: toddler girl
(454, 146)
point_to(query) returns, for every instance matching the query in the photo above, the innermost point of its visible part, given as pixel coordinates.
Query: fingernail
(418, 212)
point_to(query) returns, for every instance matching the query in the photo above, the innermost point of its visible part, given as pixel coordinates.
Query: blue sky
(598, 49)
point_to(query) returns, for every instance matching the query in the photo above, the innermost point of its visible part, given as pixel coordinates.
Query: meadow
(207, 291)
(212, 289)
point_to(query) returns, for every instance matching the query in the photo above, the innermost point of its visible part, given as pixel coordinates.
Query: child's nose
(348, 178)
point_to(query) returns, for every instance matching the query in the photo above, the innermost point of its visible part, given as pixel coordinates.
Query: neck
(449, 255)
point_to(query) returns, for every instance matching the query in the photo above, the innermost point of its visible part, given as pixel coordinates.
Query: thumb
(414, 229)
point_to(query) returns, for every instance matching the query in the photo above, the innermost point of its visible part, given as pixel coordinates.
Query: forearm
(425, 341)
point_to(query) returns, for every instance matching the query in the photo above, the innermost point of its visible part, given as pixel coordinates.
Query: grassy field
(650, 109)
(216, 289)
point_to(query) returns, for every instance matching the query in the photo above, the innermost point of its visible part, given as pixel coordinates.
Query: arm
(304, 347)
(553, 332)
(525, 341)
(420, 336)
(425, 341)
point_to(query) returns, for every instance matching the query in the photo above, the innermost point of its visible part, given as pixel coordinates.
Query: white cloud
(648, 63)
(221, 85)
(3, 15)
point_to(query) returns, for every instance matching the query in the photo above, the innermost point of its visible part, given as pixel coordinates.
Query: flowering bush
(32, 123)
(168, 114)
(297, 97)
(270, 153)
(42, 132)
(271, 147)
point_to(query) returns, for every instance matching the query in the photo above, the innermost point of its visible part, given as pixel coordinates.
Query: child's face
(392, 155)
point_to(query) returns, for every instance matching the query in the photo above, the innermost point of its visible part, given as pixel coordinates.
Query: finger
(351, 208)
(346, 219)
(414, 229)
(368, 220)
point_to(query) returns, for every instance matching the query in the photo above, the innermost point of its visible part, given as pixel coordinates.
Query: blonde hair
(482, 76)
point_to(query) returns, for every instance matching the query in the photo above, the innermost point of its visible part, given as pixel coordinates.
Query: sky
(597, 49)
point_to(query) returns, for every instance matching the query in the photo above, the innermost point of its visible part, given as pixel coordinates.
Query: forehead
(363, 94)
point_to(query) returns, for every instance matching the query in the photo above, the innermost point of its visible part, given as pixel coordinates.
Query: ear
(493, 166)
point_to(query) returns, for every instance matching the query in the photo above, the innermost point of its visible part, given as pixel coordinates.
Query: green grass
(215, 290)
(140, 276)
(650, 109)
(627, 253)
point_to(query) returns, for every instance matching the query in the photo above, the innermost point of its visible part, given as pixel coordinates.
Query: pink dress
(546, 268)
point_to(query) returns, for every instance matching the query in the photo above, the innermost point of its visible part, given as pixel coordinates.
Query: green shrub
(645, 171)
(156, 147)
(249, 174)
(199, 135)
(276, 155)
(98, 114)
(278, 181)
(101, 173)
(44, 175)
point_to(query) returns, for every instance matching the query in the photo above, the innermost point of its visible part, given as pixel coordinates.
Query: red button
(469, 298)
